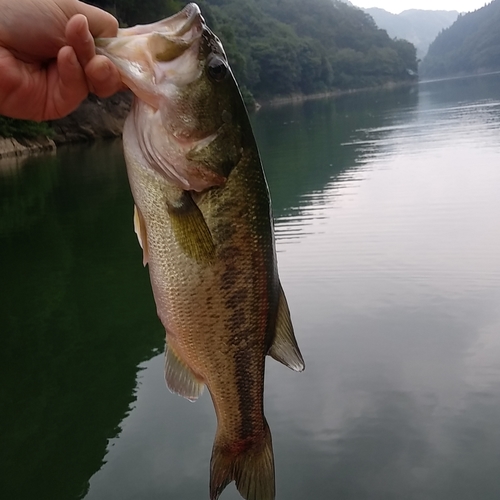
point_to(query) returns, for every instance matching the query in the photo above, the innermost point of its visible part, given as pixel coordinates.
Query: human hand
(48, 63)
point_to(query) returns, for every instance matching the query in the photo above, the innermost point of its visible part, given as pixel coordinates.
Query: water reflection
(388, 243)
(70, 339)
(310, 155)
(396, 291)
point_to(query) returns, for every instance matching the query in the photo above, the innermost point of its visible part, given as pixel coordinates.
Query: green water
(387, 209)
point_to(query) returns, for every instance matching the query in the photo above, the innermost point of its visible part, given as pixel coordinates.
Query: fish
(203, 219)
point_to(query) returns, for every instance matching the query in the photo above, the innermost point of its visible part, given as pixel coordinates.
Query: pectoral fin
(140, 231)
(285, 348)
(179, 377)
(191, 230)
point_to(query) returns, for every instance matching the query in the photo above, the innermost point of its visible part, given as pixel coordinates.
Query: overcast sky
(397, 6)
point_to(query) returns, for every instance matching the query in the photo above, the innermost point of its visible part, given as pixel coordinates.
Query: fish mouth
(146, 55)
(175, 26)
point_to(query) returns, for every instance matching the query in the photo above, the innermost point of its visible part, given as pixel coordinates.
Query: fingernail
(83, 29)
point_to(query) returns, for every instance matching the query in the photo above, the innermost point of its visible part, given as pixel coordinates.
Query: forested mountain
(419, 27)
(471, 45)
(282, 47)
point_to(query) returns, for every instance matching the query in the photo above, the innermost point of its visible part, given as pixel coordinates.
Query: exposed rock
(95, 119)
(21, 147)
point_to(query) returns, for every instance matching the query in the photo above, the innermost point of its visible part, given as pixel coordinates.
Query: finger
(15, 92)
(66, 85)
(103, 76)
(101, 23)
(80, 38)
(10, 69)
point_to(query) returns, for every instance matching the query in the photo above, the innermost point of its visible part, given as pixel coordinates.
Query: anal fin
(140, 231)
(179, 377)
(285, 348)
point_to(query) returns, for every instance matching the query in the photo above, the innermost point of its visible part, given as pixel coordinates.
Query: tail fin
(252, 469)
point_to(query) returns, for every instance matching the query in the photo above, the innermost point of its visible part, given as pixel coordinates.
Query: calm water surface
(387, 214)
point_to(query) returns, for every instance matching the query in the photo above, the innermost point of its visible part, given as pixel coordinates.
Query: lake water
(387, 209)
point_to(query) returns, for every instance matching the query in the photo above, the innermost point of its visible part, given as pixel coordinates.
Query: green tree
(470, 45)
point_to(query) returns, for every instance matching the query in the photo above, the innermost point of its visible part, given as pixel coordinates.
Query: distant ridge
(419, 27)
(470, 46)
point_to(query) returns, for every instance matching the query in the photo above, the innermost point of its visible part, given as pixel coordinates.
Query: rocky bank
(23, 147)
(95, 119)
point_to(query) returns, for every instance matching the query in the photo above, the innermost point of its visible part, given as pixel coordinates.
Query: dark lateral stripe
(249, 380)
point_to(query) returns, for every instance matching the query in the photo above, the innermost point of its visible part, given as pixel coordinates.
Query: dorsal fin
(284, 348)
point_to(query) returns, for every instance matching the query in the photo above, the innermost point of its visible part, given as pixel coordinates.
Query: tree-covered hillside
(281, 47)
(471, 45)
(419, 27)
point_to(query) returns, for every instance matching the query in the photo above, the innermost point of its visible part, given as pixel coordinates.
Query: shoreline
(97, 119)
(11, 147)
(298, 98)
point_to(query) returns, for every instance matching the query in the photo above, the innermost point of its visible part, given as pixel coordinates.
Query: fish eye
(217, 69)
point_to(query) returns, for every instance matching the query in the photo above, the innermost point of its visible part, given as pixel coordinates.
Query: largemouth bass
(203, 219)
